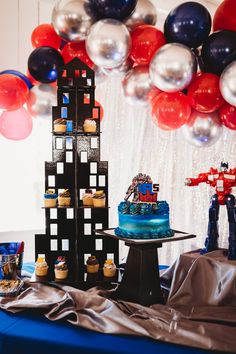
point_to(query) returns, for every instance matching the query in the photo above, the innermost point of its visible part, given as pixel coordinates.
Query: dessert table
(198, 317)
(29, 332)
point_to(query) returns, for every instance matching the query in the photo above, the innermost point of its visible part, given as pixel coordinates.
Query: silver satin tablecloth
(200, 310)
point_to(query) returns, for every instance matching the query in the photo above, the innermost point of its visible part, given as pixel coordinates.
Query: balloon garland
(186, 74)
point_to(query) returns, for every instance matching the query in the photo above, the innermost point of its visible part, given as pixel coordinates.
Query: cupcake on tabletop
(61, 269)
(87, 198)
(41, 267)
(89, 126)
(92, 265)
(99, 199)
(109, 268)
(50, 199)
(60, 125)
(64, 198)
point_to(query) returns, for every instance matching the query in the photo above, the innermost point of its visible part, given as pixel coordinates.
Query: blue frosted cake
(144, 217)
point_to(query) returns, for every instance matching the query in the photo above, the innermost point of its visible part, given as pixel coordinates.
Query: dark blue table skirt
(31, 333)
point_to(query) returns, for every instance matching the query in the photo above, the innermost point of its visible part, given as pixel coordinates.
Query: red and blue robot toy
(223, 180)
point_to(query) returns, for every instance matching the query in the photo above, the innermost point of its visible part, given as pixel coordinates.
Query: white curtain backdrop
(130, 142)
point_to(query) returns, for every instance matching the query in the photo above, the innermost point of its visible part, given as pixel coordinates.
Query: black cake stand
(140, 282)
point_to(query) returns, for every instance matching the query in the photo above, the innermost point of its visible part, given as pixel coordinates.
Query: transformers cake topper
(223, 180)
(143, 189)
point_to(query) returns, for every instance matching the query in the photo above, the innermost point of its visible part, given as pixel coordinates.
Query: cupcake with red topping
(61, 269)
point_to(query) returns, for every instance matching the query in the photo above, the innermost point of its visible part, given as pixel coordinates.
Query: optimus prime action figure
(223, 180)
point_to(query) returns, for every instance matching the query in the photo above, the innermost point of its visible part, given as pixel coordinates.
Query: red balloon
(13, 92)
(16, 125)
(45, 36)
(146, 39)
(227, 114)
(171, 110)
(76, 50)
(224, 18)
(204, 93)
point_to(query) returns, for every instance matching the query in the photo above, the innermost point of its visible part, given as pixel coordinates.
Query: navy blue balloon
(189, 24)
(20, 75)
(43, 64)
(117, 9)
(218, 51)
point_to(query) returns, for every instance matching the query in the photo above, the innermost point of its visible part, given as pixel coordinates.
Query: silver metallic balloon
(119, 71)
(203, 129)
(144, 13)
(228, 83)
(71, 19)
(172, 67)
(41, 99)
(108, 43)
(137, 85)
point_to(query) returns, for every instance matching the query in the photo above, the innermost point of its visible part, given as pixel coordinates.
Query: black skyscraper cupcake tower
(76, 166)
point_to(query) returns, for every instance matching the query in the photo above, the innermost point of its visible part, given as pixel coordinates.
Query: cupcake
(50, 199)
(41, 267)
(99, 199)
(109, 268)
(60, 125)
(87, 198)
(64, 198)
(61, 269)
(92, 265)
(89, 126)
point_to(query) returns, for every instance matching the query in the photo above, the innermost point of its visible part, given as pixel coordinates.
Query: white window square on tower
(53, 229)
(98, 244)
(69, 156)
(87, 213)
(70, 213)
(92, 181)
(102, 181)
(83, 156)
(93, 167)
(51, 181)
(59, 143)
(98, 226)
(87, 229)
(94, 142)
(53, 245)
(53, 213)
(65, 244)
(60, 168)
